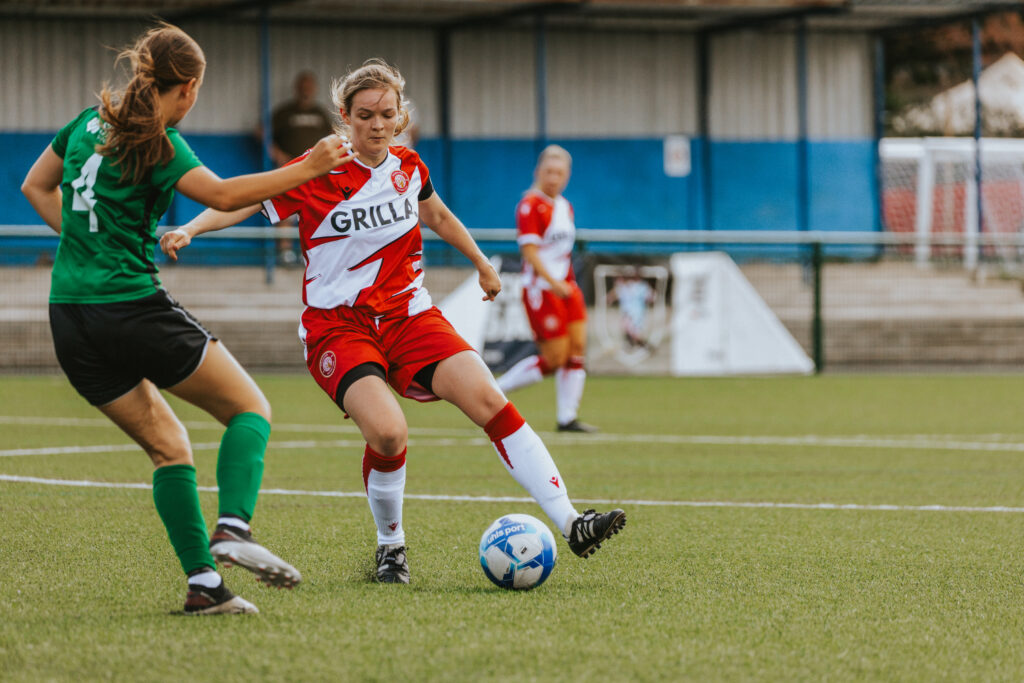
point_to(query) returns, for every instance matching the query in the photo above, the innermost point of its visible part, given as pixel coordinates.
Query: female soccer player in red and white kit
(369, 322)
(553, 300)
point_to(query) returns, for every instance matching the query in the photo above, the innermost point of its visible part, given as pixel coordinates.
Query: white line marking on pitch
(210, 425)
(342, 443)
(518, 499)
(913, 443)
(980, 442)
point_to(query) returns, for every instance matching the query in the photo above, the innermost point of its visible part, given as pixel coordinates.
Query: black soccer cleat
(392, 565)
(230, 545)
(577, 426)
(591, 528)
(220, 600)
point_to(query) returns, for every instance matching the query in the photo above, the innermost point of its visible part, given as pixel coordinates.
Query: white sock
(527, 459)
(236, 522)
(524, 373)
(568, 392)
(205, 579)
(385, 491)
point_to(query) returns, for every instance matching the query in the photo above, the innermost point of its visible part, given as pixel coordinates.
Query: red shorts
(550, 315)
(340, 339)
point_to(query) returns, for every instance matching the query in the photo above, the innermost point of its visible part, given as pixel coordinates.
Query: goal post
(930, 186)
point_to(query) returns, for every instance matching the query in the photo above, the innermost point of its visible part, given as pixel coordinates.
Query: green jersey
(108, 226)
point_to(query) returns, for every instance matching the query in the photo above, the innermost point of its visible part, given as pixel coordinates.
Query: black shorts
(106, 350)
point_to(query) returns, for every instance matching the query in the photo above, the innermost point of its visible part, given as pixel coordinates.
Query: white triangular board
(467, 312)
(722, 326)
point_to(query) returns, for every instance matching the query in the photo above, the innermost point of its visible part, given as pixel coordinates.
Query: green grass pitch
(857, 527)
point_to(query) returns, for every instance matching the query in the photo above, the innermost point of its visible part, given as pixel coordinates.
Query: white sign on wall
(677, 156)
(721, 325)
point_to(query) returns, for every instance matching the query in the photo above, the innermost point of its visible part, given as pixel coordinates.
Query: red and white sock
(527, 459)
(384, 479)
(569, 382)
(529, 370)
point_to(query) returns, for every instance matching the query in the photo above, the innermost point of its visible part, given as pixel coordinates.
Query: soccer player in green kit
(102, 184)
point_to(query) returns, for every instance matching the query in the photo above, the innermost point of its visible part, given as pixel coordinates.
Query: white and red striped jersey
(360, 235)
(548, 223)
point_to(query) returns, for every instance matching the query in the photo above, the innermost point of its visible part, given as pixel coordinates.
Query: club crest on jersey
(327, 364)
(400, 180)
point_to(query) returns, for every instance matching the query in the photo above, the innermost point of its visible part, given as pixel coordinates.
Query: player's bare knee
(259, 405)
(557, 359)
(390, 442)
(493, 401)
(169, 452)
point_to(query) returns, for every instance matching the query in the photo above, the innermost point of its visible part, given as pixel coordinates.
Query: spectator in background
(296, 125)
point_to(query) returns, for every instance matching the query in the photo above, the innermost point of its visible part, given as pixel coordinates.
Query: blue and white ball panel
(518, 551)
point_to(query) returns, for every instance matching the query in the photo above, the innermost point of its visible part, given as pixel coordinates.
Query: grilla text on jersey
(376, 216)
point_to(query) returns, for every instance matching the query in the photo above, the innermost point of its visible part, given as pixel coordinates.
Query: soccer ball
(517, 552)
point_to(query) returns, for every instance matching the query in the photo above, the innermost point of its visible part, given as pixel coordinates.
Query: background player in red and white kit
(369, 322)
(553, 300)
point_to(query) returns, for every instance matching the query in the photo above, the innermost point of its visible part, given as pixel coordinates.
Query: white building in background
(951, 112)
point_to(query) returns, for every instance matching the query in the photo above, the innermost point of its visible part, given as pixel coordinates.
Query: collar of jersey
(548, 199)
(374, 168)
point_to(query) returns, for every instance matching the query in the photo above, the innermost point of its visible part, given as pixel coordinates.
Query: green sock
(177, 503)
(240, 464)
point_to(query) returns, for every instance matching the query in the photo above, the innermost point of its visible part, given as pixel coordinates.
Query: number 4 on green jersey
(85, 197)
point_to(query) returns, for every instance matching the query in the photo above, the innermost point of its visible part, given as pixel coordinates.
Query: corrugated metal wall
(493, 75)
(753, 86)
(331, 52)
(840, 81)
(51, 70)
(599, 84)
(621, 84)
(229, 101)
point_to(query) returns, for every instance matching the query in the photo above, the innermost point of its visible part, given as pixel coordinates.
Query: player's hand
(329, 153)
(173, 240)
(561, 289)
(490, 282)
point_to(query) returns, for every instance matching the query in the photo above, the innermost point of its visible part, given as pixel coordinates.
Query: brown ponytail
(162, 58)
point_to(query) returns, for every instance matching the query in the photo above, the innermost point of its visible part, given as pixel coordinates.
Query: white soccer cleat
(233, 546)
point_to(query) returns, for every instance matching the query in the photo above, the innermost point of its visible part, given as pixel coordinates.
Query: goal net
(930, 187)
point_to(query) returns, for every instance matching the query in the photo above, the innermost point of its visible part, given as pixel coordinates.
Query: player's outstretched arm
(531, 254)
(206, 187)
(42, 187)
(208, 221)
(441, 220)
